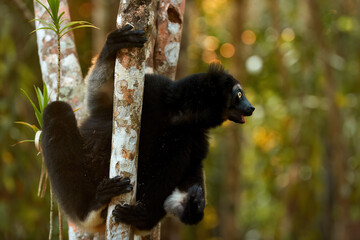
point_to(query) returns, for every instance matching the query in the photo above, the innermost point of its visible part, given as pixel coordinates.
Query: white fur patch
(236, 86)
(93, 222)
(174, 204)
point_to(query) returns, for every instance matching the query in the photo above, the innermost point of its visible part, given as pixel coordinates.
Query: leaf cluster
(57, 20)
(43, 100)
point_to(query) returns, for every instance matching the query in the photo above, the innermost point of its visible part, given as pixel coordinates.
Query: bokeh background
(292, 171)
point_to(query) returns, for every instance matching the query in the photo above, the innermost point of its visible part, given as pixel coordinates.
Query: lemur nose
(250, 110)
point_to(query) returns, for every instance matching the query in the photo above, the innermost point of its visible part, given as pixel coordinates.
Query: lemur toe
(110, 188)
(127, 27)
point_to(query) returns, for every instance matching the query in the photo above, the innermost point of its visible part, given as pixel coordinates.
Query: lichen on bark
(128, 95)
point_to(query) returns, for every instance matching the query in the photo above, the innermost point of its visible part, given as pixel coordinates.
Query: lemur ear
(215, 74)
(216, 68)
(217, 78)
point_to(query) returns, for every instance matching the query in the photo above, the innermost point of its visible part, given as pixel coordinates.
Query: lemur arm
(100, 78)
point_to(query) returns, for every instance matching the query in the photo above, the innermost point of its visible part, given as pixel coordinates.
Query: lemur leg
(148, 210)
(100, 77)
(187, 202)
(136, 215)
(62, 146)
(64, 156)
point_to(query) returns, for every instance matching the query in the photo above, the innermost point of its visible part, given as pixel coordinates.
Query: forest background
(292, 171)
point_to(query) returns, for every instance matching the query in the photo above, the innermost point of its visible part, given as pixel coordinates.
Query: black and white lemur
(176, 117)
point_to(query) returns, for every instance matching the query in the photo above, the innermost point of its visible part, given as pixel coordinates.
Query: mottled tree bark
(169, 26)
(166, 54)
(128, 95)
(71, 76)
(163, 61)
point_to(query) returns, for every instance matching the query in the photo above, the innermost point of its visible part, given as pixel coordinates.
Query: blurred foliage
(289, 188)
(21, 211)
(299, 160)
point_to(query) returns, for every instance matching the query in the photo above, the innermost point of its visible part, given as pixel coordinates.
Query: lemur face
(240, 106)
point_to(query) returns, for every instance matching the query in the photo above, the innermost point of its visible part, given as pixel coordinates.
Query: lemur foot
(110, 188)
(123, 37)
(194, 205)
(135, 215)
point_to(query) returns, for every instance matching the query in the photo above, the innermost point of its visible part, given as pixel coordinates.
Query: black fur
(176, 117)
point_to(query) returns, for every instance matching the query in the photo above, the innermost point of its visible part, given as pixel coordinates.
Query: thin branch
(23, 9)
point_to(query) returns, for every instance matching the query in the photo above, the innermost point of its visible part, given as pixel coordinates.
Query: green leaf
(61, 22)
(44, 22)
(72, 24)
(46, 96)
(43, 98)
(33, 127)
(54, 6)
(45, 8)
(60, 16)
(32, 103)
(23, 141)
(36, 110)
(39, 97)
(38, 116)
(43, 28)
(82, 26)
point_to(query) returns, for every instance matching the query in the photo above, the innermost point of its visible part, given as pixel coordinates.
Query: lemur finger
(127, 27)
(105, 196)
(113, 34)
(135, 32)
(128, 45)
(118, 34)
(136, 39)
(113, 182)
(117, 191)
(128, 38)
(129, 213)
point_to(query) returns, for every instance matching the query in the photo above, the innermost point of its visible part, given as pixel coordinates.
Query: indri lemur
(176, 117)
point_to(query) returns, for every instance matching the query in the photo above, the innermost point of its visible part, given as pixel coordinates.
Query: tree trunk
(71, 75)
(166, 57)
(169, 27)
(169, 24)
(128, 95)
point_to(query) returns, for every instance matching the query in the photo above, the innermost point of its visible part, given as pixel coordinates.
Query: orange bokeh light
(209, 56)
(288, 35)
(227, 50)
(248, 37)
(211, 43)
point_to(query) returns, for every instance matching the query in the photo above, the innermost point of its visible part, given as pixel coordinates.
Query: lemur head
(237, 105)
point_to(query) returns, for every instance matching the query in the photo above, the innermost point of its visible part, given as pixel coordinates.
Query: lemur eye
(239, 94)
